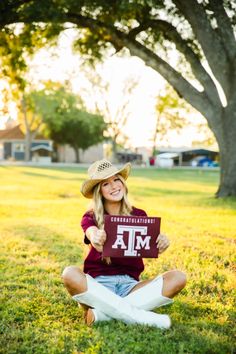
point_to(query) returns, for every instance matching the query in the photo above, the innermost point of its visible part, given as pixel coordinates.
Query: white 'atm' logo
(134, 242)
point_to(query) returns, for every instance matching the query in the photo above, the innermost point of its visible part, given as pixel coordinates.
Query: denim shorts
(118, 284)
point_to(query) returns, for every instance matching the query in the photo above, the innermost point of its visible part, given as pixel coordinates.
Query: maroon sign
(131, 236)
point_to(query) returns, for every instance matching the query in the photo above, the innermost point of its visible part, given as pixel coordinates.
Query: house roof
(41, 146)
(16, 133)
(167, 155)
(186, 150)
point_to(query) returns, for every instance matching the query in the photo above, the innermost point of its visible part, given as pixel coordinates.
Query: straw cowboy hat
(99, 171)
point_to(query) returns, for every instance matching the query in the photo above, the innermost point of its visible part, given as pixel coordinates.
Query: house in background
(12, 146)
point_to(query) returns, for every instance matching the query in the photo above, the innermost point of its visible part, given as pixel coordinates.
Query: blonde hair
(98, 206)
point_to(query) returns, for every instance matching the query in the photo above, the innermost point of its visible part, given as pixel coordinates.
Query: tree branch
(96, 26)
(5, 6)
(224, 28)
(170, 33)
(9, 13)
(207, 38)
(32, 120)
(24, 111)
(197, 99)
(36, 130)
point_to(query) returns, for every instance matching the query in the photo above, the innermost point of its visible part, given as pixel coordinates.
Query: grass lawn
(40, 212)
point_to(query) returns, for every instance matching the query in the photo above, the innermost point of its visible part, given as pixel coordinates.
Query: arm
(97, 237)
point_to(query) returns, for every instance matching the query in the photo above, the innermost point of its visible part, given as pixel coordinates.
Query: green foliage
(18, 43)
(64, 117)
(67, 121)
(11, 58)
(79, 129)
(40, 212)
(53, 102)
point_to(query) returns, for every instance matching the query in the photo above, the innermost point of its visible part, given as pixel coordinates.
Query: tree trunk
(227, 186)
(155, 134)
(28, 141)
(55, 154)
(76, 150)
(114, 150)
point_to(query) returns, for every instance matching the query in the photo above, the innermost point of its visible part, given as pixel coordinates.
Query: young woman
(110, 287)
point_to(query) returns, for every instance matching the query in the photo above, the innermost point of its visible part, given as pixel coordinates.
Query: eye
(104, 184)
(116, 179)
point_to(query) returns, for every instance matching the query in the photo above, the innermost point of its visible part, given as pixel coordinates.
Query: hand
(162, 243)
(98, 239)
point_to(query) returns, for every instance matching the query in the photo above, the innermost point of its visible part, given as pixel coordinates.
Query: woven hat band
(99, 171)
(95, 170)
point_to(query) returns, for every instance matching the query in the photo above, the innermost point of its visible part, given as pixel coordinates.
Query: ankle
(89, 317)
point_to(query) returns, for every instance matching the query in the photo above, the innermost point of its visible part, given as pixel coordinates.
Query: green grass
(40, 212)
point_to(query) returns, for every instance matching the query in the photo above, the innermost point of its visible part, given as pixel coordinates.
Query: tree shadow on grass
(155, 191)
(31, 272)
(177, 175)
(189, 334)
(67, 169)
(200, 197)
(54, 244)
(38, 308)
(37, 174)
(72, 170)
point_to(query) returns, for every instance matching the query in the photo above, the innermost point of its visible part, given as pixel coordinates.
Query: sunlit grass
(40, 211)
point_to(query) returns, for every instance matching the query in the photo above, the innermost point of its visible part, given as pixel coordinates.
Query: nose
(113, 185)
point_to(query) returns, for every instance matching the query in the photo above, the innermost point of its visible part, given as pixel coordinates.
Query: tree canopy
(62, 117)
(201, 32)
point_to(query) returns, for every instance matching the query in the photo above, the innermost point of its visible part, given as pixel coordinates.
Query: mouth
(115, 192)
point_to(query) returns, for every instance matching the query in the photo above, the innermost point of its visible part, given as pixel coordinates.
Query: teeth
(116, 192)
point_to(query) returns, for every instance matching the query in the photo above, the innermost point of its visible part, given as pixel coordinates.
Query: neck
(112, 208)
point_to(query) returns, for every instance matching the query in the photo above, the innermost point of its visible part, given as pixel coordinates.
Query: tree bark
(227, 186)
(114, 150)
(227, 147)
(155, 134)
(76, 150)
(28, 141)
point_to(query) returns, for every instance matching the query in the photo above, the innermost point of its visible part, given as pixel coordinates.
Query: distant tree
(31, 122)
(33, 109)
(61, 115)
(206, 137)
(79, 129)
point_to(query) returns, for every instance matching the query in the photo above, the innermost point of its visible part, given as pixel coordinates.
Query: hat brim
(88, 185)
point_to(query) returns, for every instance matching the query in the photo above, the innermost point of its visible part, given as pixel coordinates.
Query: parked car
(203, 161)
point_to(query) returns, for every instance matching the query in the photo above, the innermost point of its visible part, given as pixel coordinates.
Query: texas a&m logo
(129, 236)
(135, 238)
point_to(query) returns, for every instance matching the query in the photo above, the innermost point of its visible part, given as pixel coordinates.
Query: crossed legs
(171, 283)
(75, 282)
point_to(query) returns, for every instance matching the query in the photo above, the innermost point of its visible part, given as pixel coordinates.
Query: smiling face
(112, 189)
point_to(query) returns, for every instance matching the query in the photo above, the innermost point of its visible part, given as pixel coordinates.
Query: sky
(60, 64)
